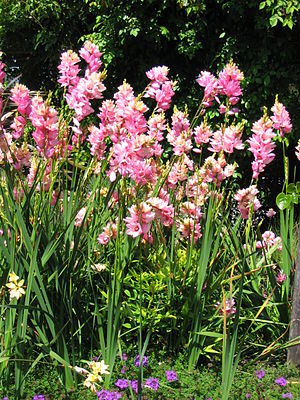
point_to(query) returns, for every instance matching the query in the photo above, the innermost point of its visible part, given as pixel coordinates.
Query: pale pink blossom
(109, 232)
(140, 219)
(297, 151)
(229, 308)
(189, 227)
(160, 88)
(80, 216)
(281, 118)
(202, 133)
(270, 213)
(247, 199)
(281, 277)
(18, 126)
(163, 211)
(209, 82)
(261, 145)
(91, 55)
(45, 121)
(20, 96)
(68, 69)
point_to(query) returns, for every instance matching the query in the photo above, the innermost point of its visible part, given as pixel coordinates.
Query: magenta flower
(171, 376)
(260, 374)
(287, 395)
(281, 381)
(144, 361)
(121, 384)
(152, 383)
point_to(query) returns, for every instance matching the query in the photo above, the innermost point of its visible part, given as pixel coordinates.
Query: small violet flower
(287, 395)
(171, 376)
(137, 361)
(281, 381)
(152, 383)
(260, 374)
(107, 395)
(248, 395)
(39, 397)
(121, 384)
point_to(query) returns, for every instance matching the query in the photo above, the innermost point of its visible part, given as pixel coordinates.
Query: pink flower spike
(281, 118)
(20, 96)
(297, 150)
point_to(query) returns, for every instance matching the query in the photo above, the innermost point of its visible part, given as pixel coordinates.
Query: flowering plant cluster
(106, 186)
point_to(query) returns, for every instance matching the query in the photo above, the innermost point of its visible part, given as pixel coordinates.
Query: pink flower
(202, 133)
(109, 231)
(189, 227)
(163, 211)
(160, 88)
(80, 216)
(20, 96)
(281, 277)
(281, 119)
(44, 119)
(140, 219)
(229, 307)
(18, 126)
(179, 135)
(229, 82)
(246, 199)
(230, 140)
(91, 55)
(69, 69)
(297, 152)
(209, 82)
(270, 213)
(2, 73)
(261, 145)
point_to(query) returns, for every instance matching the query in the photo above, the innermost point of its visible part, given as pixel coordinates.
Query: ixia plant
(105, 192)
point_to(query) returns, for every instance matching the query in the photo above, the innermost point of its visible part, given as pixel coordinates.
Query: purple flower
(122, 384)
(137, 361)
(260, 374)
(171, 376)
(287, 395)
(248, 395)
(281, 381)
(5, 398)
(124, 356)
(107, 395)
(152, 383)
(134, 385)
(39, 397)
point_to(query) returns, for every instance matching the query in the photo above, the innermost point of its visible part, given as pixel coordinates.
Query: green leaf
(222, 35)
(283, 201)
(291, 188)
(262, 5)
(273, 20)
